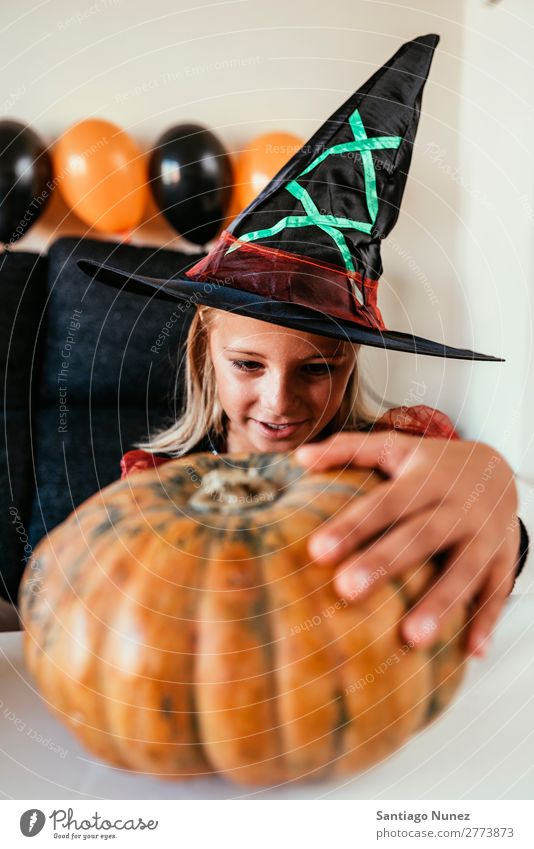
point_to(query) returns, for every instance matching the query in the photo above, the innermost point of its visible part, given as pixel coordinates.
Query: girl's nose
(277, 397)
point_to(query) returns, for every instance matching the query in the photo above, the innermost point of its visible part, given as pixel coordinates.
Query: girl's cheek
(239, 399)
(326, 399)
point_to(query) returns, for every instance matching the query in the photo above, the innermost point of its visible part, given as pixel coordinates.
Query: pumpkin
(176, 624)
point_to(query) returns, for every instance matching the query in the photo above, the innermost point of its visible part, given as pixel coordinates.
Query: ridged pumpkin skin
(176, 624)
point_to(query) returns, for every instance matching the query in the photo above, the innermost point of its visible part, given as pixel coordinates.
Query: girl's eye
(314, 369)
(245, 365)
(320, 368)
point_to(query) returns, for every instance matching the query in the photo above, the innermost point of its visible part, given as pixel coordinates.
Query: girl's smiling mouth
(278, 431)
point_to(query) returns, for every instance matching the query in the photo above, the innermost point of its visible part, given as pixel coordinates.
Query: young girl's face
(279, 387)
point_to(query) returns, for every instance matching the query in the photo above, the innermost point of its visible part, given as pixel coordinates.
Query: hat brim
(217, 295)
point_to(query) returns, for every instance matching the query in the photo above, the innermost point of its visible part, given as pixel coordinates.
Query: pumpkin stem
(234, 489)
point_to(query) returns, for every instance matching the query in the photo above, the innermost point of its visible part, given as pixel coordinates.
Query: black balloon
(191, 180)
(25, 179)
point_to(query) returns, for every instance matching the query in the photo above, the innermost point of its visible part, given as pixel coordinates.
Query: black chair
(87, 371)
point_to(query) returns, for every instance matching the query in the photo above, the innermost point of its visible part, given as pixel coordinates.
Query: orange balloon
(101, 174)
(263, 158)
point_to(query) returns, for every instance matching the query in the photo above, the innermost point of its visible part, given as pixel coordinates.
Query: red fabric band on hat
(283, 276)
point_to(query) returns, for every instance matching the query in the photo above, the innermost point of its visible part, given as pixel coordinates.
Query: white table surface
(481, 748)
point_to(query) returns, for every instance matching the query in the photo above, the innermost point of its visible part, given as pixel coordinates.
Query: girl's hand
(450, 496)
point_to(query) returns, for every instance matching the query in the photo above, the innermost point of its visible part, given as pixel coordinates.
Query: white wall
(495, 244)
(458, 263)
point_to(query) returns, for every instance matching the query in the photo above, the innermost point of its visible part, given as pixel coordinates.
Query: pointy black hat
(306, 252)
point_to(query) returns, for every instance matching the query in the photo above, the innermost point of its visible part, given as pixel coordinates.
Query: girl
(251, 386)
(282, 304)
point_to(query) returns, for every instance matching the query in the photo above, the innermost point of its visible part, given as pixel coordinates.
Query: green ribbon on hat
(332, 224)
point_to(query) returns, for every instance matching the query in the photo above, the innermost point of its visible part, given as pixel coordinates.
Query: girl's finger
(465, 573)
(490, 603)
(384, 449)
(391, 502)
(405, 545)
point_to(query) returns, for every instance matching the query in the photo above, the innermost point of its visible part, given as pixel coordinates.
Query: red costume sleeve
(419, 420)
(138, 461)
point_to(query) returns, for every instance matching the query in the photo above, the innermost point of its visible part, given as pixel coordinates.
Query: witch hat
(306, 252)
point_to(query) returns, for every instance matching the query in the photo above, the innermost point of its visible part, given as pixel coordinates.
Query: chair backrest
(104, 365)
(22, 299)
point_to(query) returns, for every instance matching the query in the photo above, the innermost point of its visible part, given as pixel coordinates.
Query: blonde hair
(201, 410)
